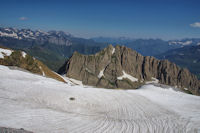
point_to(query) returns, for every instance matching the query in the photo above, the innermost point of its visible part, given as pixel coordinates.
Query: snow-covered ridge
(20, 34)
(125, 75)
(184, 43)
(12, 34)
(41, 104)
(29, 34)
(6, 52)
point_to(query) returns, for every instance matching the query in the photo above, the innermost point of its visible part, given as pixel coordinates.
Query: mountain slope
(121, 67)
(188, 57)
(20, 59)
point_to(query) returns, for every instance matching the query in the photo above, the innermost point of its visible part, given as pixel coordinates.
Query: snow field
(42, 104)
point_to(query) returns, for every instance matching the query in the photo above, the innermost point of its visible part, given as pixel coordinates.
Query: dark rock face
(121, 67)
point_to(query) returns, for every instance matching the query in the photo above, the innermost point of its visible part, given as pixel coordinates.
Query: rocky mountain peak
(122, 67)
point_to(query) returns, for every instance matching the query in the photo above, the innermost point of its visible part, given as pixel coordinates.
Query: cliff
(122, 67)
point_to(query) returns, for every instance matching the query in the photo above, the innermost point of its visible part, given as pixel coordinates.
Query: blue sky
(166, 19)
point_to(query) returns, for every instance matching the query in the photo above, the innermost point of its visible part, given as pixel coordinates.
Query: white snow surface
(3, 51)
(182, 43)
(43, 105)
(125, 75)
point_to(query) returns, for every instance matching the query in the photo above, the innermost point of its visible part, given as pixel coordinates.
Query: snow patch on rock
(43, 74)
(125, 75)
(6, 52)
(101, 73)
(72, 81)
(153, 80)
(24, 54)
(113, 50)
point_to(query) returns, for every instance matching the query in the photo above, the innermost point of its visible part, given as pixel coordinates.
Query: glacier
(44, 105)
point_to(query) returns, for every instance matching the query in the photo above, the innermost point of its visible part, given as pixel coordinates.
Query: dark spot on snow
(71, 98)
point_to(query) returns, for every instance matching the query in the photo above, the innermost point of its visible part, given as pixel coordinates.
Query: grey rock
(88, 67)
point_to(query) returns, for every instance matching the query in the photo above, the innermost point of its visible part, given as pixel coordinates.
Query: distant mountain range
(55, 37)
(55, 47)
(149, 47)
(112, 40)
(52, 47)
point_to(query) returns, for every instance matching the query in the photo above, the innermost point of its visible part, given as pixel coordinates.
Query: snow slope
(44, 105)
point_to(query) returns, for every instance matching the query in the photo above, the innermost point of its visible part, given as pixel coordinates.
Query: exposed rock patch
(13, 130)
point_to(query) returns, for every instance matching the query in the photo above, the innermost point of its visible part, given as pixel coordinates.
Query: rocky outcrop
(9, 57)
(122, 67)
(13, 130)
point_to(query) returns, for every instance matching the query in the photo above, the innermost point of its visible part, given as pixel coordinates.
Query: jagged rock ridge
(122, 67)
